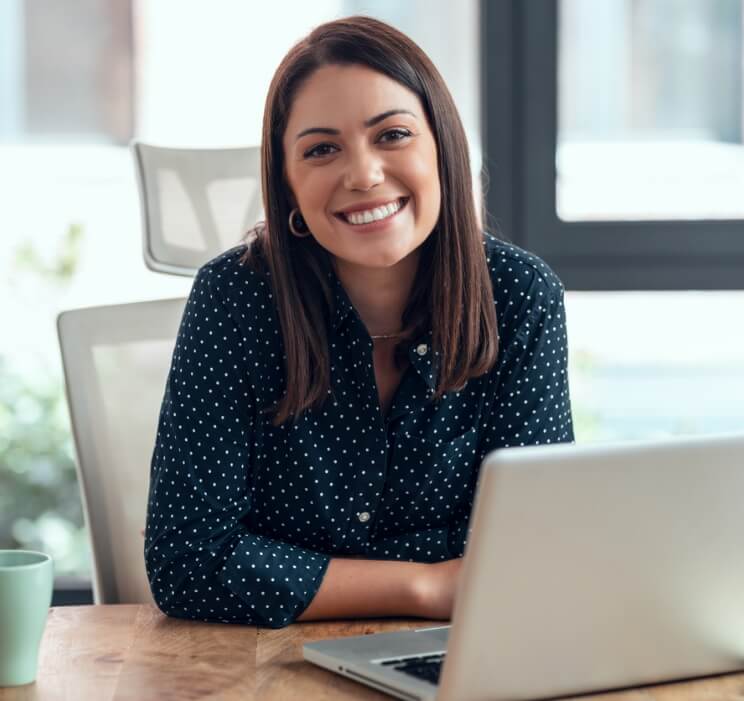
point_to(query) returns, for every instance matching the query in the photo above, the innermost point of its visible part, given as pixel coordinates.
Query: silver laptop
(588, 567)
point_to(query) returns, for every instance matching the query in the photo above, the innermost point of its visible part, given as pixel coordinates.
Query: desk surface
(133, 652)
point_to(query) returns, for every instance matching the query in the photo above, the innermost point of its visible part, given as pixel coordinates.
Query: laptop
(587, 568)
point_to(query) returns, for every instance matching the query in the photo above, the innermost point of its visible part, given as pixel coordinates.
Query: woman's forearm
(356, 588)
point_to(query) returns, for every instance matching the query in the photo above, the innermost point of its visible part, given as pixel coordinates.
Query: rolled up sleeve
(202, 561)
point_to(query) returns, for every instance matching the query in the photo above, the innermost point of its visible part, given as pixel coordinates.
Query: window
(610, 148)
(650, 111)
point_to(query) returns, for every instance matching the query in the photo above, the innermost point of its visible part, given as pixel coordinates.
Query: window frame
(72, 591)
(519, 116)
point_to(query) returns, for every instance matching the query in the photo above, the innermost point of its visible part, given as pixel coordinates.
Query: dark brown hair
(452, 293)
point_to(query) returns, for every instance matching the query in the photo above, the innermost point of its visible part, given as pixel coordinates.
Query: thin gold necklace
(388, 335)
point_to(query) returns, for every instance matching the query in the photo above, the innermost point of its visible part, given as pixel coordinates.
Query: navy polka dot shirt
(243, 517)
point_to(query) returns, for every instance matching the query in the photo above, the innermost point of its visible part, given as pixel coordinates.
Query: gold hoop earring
(297, 224)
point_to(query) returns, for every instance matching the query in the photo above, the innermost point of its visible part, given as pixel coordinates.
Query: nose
(364, 170)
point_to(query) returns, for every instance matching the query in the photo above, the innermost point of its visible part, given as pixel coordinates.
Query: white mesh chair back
(195, 203)
(116, 361)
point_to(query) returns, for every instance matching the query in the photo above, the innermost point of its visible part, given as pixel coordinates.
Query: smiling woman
(338, 379)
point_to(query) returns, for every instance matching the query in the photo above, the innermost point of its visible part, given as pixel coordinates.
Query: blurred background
(643, 140)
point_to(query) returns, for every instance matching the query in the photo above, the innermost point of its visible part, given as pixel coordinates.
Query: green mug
(26, 583)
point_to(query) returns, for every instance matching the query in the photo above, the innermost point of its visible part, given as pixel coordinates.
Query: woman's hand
(436, 589)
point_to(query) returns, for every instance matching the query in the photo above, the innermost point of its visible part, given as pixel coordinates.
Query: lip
(368, 205)
(374, 226)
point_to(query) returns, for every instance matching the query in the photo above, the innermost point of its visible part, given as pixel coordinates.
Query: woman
(337, 380)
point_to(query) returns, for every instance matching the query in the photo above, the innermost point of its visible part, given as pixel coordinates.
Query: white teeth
(375, 214)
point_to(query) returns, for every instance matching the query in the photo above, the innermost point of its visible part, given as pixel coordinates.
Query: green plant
(62, 268)
(40, 506)
(39, 500)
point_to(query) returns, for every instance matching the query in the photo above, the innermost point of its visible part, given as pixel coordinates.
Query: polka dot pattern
(243, 517)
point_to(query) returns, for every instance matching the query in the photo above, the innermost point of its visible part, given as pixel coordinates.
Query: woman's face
(358, 140)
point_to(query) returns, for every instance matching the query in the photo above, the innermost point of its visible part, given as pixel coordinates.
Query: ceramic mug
(26, 584)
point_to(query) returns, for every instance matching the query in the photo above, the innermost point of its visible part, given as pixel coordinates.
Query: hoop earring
(297, 224)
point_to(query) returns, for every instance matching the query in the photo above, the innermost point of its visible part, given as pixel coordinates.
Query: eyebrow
(368, 123)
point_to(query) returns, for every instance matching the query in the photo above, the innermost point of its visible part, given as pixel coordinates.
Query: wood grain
(282, 673)
(102, 653)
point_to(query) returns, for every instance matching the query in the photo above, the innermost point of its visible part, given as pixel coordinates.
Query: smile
(377, 214)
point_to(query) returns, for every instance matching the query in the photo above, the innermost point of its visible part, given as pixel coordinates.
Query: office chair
(116, 361)
(195, 203)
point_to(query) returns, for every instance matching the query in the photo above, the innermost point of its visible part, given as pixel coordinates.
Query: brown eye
(400, 134)
(315, 151)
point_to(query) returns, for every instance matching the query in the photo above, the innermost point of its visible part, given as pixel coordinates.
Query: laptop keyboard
(426, 667)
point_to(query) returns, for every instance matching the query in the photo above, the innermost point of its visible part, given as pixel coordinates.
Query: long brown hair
(452, 293)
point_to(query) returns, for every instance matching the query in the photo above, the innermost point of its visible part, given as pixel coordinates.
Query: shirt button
(422, 349)
(363, 517)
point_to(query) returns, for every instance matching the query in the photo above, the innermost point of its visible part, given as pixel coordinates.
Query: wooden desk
(133, 652)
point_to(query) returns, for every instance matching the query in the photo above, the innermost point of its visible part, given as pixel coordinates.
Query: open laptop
(588, 567)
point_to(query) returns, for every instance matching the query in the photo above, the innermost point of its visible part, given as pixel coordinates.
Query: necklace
(387, 335)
